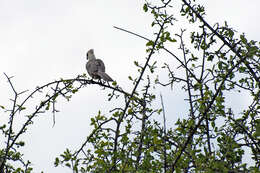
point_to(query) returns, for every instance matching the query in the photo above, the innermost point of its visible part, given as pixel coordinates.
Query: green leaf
(114, 83)
(22, 108)
(130, 111)
(145, 8)
(57, 161)
(172, 40)
(48, 106)
(68, 165)
(74, 91)
(20, 143)
(150, 43)
(3, 126)
(220, 67)
(168, 37)
(257, 133)
(243, 39)
(210, 58)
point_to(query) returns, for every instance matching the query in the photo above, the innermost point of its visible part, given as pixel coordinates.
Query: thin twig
(132, 33)
(10, 129)
(168, 51)
(164, 135)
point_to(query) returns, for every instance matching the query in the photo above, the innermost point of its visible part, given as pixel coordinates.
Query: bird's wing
(100, 65)
(91, 67)
(88, 67)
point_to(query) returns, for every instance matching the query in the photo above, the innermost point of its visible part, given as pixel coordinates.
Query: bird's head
(90, 54)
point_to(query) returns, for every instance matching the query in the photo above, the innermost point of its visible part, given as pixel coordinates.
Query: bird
(96, 67)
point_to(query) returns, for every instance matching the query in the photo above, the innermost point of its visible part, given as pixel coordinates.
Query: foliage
(214, 62)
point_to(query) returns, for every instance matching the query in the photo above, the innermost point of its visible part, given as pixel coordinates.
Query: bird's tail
(105, 76)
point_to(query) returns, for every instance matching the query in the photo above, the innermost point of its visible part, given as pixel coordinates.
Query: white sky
(41, 41)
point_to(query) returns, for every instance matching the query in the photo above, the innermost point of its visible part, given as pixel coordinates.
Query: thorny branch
(233, 48)
(132, 97)
(204, 114)
(187, 75)
(218, 89)
(133, 91)
(50, 99)
(10, 131)
(143, 127)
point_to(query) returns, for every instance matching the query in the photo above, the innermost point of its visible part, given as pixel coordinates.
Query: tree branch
(233, 48)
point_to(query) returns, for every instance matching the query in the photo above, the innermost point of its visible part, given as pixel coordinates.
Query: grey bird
(96, 67)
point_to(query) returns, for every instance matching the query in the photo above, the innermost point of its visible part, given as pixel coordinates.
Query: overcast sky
(41, 41)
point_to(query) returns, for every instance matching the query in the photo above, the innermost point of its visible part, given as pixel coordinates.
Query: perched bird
(96, 67)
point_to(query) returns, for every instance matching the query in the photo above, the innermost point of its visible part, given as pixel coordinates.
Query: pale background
(41, 41)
